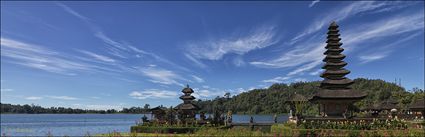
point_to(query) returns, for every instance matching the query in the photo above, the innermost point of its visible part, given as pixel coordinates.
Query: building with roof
(187, 110)
(335, 95)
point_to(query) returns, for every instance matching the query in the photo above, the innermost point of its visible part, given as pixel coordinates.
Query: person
(275, 118)
(251, 120)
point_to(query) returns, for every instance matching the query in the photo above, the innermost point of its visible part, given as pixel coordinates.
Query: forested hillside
(272, 100)
(258, 101)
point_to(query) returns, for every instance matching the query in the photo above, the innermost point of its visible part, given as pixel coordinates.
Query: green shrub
(282, 129)
(163, 129)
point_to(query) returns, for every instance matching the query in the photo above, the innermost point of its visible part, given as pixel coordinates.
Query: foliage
(260, 101)
(287, 130)
(355, 125)
(272, 100)
(163, 129)
(35, 109)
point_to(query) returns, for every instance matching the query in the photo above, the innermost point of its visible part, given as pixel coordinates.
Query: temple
(335, 96)
(187, 109)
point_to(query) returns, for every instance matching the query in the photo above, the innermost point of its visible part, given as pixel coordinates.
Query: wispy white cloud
(314, 2)
(369, 58)
(120, 49)
(161, 76)
(95, 97)
(35, 56)
(308, 54)
(98, 57)
(215, 49)
(391, 26)
(384, 51)
(317, 72)
(62, 97)
(33, 98)
(239, 61)
(341, 14)
(110, 42)
(305, 67)
(198, 79)
(276, 80)
(196, 61)
(98, 106)
(6, 90)
(207, 93)
(72, 12)
(152, 93)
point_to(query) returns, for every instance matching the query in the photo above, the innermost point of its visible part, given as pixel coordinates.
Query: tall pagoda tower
(187, 110)
(335, 95)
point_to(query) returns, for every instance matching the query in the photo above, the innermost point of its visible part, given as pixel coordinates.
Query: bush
(163, 129)
(282, 129)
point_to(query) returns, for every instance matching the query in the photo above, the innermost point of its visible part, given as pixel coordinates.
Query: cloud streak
(355, 8)
(314, 2)
(308, 54)
(215, 49)
(152, 93)
(161, 76)
(37, 57)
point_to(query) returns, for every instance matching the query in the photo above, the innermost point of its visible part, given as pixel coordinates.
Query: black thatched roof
(157, 109)
(387, 105)
(339, 94)
(184, 97)
(418, 104)
(187, 106)
(335, 85)
(187, 89)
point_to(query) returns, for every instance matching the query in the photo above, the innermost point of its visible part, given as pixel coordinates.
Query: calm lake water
(84, 124)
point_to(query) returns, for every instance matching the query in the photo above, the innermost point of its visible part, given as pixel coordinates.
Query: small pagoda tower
(187, 110)
(335, 95)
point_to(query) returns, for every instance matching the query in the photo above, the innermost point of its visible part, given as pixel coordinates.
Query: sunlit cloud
(98, 57)
(62, 97)
(216, 48)
(33, 98)
(276, 80)
(161, 76)
(314, 2)
(37, 57)
(198, 79)
(153, 93)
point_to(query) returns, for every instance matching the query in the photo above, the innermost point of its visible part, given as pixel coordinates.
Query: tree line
(269, 100)
(35, 109)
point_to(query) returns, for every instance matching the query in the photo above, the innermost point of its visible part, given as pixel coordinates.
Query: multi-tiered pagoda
(335, 95)
(187, 110)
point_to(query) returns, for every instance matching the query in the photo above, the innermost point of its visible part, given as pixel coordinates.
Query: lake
(86, 124)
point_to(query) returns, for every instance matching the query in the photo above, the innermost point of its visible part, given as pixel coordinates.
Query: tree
(146, 107)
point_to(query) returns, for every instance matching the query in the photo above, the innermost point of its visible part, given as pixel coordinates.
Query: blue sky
(100, 55)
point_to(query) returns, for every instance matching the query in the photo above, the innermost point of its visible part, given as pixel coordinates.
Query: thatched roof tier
(184, 97)
(342, 83)
(335, 74)
(333, 51)
(187, 90)
(332, 65)
(334, 58)
(418, 105)
(339, 94)
(184, 106)
(157, 109)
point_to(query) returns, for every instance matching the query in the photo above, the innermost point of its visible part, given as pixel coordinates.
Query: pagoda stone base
(335, 108)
